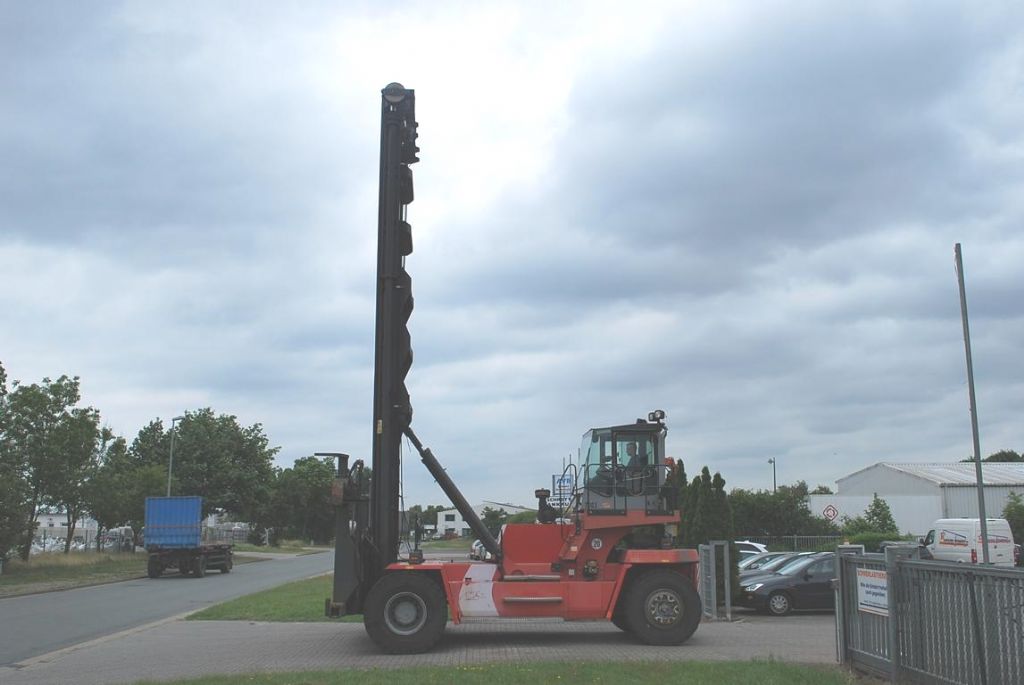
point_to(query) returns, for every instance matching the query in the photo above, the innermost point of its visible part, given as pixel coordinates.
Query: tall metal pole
(775, 485)
(170, 463)
(982, 515)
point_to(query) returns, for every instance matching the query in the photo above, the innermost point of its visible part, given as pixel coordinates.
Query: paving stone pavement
(181, 649)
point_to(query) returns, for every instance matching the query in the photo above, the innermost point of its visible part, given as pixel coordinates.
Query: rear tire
(661, 607)
(405, 612)
(154, 568)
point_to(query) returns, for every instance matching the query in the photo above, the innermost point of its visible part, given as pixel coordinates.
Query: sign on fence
(873, 591)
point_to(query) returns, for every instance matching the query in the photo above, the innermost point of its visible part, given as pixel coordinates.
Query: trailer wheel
(405, 613)
(661, 607)
(199, 564)
(154, 568)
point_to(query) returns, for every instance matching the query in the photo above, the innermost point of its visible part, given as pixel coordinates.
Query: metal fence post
(727, 574)
(892, 571)
(837, 587)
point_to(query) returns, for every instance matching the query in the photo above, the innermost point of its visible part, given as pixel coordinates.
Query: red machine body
(542, 572)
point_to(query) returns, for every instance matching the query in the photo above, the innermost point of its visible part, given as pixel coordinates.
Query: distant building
(918, 494)
(450, 521)
(53, 523)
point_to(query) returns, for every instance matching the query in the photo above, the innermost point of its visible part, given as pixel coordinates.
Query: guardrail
(925, 621)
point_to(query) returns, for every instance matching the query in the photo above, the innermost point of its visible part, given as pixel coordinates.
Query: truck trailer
(174, 538)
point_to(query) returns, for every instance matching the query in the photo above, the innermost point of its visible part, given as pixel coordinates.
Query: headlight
(754, 587)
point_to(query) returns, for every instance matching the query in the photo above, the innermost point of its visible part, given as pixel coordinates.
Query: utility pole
(775, 485)
(170, 463)
(982, 516)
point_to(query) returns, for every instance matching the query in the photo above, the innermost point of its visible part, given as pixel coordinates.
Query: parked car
(747, 548)
(773, 565)
(756, 561)
(803, 583)
(959, 540)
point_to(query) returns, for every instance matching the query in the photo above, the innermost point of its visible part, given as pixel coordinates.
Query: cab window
(929, 539)
(635, 450)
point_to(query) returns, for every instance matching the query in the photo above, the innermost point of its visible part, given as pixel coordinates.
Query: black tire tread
(635, 615)
(433, 597)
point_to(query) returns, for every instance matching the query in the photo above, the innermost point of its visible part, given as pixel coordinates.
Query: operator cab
(624, 468)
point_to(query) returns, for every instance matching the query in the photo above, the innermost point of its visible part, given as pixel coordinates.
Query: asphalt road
(37, 624)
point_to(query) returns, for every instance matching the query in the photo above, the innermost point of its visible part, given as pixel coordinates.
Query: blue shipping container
(174, 522)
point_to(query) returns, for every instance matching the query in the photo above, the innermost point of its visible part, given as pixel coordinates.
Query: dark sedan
(803, 583)
(773, 565)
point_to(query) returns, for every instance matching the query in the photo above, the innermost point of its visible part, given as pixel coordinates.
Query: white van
(959, 540)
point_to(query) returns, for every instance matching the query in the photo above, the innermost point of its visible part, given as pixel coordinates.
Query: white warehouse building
(918, 494)
(450, 521)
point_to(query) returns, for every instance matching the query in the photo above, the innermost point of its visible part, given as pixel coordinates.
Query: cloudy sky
(743, 214)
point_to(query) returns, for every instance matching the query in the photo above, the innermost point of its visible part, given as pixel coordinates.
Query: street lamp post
(170, 464)
(775, 486)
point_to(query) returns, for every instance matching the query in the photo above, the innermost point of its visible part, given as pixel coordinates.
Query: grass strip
(57, 571)
(628, 673)
(298, 601)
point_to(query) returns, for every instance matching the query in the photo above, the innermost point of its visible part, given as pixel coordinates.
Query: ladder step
(533, 600)
(521, 578)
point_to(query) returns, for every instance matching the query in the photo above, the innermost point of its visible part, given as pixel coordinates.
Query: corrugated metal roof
(962, 473)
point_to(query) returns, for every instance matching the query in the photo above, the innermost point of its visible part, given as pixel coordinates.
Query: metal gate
(710, 570)
(926, 622)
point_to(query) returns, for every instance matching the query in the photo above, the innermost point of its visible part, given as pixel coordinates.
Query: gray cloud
(746, 220)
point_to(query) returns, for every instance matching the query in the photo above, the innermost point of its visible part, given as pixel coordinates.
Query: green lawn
(689, 672)
(48, 572)
(302, 600)
(43, 572)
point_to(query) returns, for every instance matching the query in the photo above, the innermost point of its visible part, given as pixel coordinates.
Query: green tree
(784, 512)
(36, 431)
(228, 465)
(1013, 512)
(528, 516)
(493, 519)
(14, 489)
(116, 492)
(79, 442)
(877, 518)
(301, 502)
(1001, 456)
(822, 490)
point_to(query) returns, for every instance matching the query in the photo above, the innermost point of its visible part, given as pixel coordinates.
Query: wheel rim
(779, 604)
(664, 608)
(405, 613)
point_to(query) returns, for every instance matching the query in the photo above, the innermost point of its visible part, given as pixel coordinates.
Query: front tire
(200, 567)
(405, 613)
(661, 607)
(779, 604)
(226, 568)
